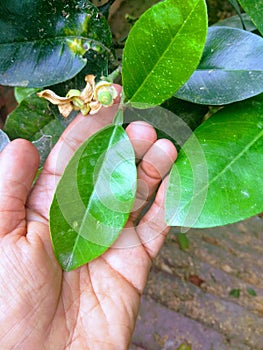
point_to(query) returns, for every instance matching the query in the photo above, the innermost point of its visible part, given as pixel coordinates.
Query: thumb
(18, 165)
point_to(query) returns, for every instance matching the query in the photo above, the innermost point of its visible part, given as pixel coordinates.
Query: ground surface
(188, 299)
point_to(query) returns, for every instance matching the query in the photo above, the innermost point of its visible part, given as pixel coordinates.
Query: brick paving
(187, 298)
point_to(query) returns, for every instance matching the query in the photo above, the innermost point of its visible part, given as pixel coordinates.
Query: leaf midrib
(164, 53)
(91, 198)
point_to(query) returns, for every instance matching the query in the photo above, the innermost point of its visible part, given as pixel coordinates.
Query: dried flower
(88, 101)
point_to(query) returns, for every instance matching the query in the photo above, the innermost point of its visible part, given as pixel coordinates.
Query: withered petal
(95, 106)
(53, 98)
(87, 92)
(65, 109)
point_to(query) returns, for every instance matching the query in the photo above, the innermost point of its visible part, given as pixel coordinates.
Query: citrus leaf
(33, 118)
(22, 93)
(162, 50)
(230, 70)
(36, 120)
(218, 176)
(254, 9)
(45, 42)
(94, 198)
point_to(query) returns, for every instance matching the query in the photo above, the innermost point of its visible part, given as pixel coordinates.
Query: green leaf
(218, 176)
(235, 293)
(45, 42)
(4, 140)
(36, 120)
(230, 70)
(33, 118)
(183, 241)
(162, 50)
(94, 198)
(23, 93)
(254, 8)
(184, 346)
(251, 292)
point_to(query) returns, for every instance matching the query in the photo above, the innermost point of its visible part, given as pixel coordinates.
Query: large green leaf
(45, 42)
(94, 198)
(162, 50)
(254, 8)
(218, 176)
(231, 68)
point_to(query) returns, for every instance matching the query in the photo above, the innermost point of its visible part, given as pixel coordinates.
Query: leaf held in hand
(94, 198)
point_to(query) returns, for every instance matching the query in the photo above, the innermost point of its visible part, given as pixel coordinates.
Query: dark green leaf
(231, 68)
(254, 8)
(94, 198)
(162, 50)
(235, 293)
(4, 140)
(35, 120)
(251, 292)
(218, 176)
(44, 42)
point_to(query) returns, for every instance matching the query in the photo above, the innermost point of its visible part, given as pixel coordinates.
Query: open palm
(95, 306)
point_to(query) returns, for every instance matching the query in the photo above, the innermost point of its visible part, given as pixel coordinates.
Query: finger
(142, 136)
(154, 166)
(152, 228)
(18, 165)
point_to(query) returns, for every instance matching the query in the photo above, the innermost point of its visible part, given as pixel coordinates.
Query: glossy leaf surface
(162, 50)
(94, 198)
(218, 176)
(45, 42)
(254, 8)
(36, 120)
(230, 70)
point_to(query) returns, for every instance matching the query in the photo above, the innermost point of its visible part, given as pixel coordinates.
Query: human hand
(95, 306)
